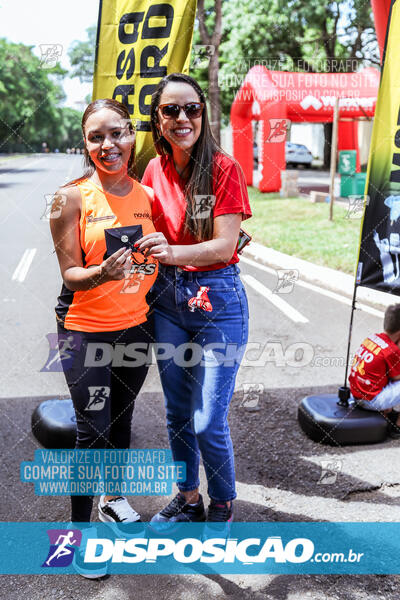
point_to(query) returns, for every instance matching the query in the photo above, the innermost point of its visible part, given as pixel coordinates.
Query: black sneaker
(219, 519)
(179, 511)
(220, 512)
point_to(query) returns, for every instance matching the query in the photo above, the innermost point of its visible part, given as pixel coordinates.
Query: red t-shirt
(376, 361)
(169, 204)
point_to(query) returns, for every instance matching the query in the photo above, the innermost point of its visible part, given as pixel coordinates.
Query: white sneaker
(117, 510)
(88, 570)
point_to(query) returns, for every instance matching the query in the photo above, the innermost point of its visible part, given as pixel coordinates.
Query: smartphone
(244, 239)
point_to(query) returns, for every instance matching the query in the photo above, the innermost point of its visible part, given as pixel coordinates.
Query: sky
(51, 22)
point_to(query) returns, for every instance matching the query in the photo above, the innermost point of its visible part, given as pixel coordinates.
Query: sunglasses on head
(192, 110)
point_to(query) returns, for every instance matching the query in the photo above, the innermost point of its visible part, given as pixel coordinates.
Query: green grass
(300, 228)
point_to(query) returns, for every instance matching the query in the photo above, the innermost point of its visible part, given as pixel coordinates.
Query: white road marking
(318, 290)
(23, 266)
(288, 310)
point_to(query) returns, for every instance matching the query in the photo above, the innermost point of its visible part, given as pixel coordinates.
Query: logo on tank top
(142, 215)
(92, 219)
(141, 266)
(132, 283)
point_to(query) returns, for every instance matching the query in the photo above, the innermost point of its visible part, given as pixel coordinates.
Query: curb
(325, 277)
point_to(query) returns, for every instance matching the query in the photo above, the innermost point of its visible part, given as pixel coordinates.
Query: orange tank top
(114, 305)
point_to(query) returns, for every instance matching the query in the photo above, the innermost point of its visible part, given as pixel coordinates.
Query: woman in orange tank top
(103, 297)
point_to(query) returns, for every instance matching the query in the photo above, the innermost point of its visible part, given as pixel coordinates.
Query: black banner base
(326, 422)
(54, 425)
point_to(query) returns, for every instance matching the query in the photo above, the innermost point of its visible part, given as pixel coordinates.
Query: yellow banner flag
(138, 43)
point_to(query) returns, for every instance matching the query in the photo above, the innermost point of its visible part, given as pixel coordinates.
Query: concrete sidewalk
(330, 279)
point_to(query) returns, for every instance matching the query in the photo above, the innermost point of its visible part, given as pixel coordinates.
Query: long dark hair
(88, 164)
(200, 182)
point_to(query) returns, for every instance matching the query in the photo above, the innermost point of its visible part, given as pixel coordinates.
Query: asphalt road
(298, 346)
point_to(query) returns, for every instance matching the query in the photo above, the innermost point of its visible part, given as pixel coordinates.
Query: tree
(311, 35)
(29, 95)
(71, 134)
(212, 40)
(81, 56)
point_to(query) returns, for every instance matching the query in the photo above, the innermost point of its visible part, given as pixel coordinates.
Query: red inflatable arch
(381, 10)
(273, 96)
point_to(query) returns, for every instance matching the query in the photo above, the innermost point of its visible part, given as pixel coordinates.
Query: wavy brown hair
(120, 109)
(200, 180)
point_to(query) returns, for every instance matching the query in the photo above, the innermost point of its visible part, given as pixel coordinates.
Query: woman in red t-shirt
(200, 305)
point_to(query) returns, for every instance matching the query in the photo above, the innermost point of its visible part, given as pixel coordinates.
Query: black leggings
(103, 396)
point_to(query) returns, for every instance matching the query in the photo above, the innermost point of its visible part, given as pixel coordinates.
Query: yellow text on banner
(138, 43)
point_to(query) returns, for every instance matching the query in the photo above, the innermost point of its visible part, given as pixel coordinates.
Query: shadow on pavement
(270, 452)
(12, 181)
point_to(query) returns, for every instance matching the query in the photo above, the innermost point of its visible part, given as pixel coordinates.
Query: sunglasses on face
(192, 110)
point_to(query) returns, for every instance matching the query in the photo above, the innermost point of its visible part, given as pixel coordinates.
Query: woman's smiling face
(108, 140)
(181, 132)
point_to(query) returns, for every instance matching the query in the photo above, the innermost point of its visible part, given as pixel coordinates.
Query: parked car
(297, 154)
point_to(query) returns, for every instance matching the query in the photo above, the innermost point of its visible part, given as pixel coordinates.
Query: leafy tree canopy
(312, 35)
(29, 96)
(81, 56)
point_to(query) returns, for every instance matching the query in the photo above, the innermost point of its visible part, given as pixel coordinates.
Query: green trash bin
(360, 183)
(347, 162)
(347, 185)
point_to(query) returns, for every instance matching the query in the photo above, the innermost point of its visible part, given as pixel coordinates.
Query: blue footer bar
(187, 548)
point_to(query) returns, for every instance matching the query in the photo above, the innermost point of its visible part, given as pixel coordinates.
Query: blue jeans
(198, 377)
(389, 397)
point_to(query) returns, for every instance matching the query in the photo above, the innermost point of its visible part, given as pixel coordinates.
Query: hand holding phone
(244, 239)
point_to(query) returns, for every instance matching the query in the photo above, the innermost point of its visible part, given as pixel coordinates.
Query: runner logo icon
(63, 543)
(98, 397)
(61, 351)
